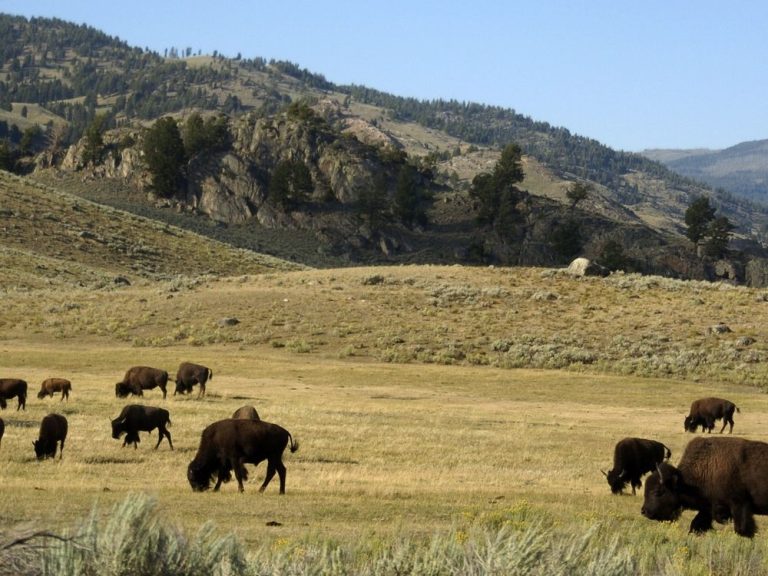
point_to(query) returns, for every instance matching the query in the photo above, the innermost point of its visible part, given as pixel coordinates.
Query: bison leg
(163, 432)
(270, 474)
(61, 449)
(702, 522)
(201, 392)
(240, 474)
(164, 391)
(743, 520)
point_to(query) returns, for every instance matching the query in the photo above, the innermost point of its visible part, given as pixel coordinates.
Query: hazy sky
(633, 75)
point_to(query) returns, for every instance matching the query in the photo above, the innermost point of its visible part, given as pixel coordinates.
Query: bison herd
(720, 478)
(225, 446)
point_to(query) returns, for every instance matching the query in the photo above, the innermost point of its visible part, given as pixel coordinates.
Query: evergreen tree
(290, 184)
(410, 199)
(93, 147)
(496, 192)
(698, 217)
(165, 157)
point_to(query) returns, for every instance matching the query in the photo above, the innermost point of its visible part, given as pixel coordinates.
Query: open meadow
(429, 402)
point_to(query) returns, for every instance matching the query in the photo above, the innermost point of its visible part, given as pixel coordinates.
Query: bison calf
(52, 385)
(720, 478)
(246, 413)
(13, 387)
(633, 457)
(140, 378)
(188, 375)
(136, 418)
(705, 411)
(53, 430)
(227, 445)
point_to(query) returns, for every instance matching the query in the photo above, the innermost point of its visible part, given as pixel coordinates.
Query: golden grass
(396, 382)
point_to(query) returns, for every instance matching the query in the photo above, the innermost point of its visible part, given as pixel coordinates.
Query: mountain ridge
(455, 140)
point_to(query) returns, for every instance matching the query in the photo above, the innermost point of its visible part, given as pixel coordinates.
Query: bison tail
(294, 444)
(210, 374)
(669, 452)
(737, 409)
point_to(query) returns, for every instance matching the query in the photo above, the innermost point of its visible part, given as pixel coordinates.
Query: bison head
(663, 494)
(691, 423)
(121, 390)
(199, 478)
(41, 394)
(182, 388)
(616, 481)
(43, 450)
(118, 427)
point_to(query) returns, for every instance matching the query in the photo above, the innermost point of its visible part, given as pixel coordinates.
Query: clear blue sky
(633, 75)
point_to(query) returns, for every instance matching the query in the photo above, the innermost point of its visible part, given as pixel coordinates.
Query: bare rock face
(223, 190)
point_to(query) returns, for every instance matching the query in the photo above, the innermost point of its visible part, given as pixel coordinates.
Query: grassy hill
(435, 406)
(49, 238)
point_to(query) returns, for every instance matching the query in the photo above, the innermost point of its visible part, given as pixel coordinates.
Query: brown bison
(705, 411)
(50, 386)
(190, 374)
(2, 430)
(228, 444)
(136, 417)
(140, 378)
(53, 430)
(720, 478)
(633, 457)
(10, 387)
(246, 413)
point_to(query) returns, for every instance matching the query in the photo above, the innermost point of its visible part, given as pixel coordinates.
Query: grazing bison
(2, 430)
(246, 413)
(137, 417)
(190, 374)
(10, 387)
(705, 411)
(227, 445)
(720, 478)
(52, 385)
(140, 378)
(53, 429)
(633, 457)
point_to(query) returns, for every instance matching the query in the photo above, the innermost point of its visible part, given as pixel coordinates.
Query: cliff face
(232, 187)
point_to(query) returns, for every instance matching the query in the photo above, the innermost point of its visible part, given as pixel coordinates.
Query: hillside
(741, 170)
(59, 76)
(49, 238)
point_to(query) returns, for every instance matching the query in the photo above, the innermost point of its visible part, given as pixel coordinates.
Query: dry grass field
(427, 400)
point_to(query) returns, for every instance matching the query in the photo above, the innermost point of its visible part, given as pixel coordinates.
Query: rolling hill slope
(49, 238)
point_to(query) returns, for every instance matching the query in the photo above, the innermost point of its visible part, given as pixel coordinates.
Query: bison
(246, 413)
(705, 411)
(137, 417)
(190, 374)
(52, 385)
(228, 444)
(720, 478)
(2, 430)
(633, 457)
(53, 430)
(140, 378)
(10, 387)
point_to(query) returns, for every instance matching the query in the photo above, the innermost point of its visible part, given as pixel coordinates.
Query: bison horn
(661, 475)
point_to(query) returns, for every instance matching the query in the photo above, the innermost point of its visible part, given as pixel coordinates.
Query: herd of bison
(225, 446)
(722, 478)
